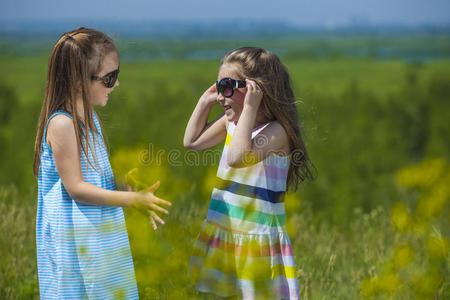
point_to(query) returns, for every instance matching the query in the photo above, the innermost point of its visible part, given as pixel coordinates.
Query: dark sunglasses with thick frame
(226, 86)
(109, 79)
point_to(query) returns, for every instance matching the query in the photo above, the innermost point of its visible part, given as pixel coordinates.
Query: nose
(220, 98)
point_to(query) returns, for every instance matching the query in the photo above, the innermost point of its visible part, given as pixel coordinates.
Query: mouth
(227, 107)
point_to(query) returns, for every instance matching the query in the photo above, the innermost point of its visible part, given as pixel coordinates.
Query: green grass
(327, 260)
(331, 263)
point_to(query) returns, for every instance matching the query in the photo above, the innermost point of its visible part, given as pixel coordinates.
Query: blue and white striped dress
(82, 250)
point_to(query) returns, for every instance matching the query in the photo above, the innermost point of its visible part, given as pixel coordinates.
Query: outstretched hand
(145, 201)
(150, 205)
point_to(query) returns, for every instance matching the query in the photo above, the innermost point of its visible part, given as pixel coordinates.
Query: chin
(103, 103)
(232, 117)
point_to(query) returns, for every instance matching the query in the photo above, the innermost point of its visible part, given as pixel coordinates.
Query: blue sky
(300, 12)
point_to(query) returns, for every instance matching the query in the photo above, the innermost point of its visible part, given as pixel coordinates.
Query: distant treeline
(224, 28)
(409, 47)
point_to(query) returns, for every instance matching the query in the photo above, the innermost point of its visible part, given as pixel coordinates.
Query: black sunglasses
(109, 79)
(226, 86)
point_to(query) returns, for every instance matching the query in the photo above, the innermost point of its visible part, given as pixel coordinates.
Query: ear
(79, 83)
(78, 87)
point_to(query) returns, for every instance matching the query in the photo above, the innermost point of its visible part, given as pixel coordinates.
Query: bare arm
(199, 135)
(62, 139)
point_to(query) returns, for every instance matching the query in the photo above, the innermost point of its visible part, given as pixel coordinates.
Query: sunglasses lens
(228, 92)
(114, 78)
(224, 87)
(110, 79)
(219, 88)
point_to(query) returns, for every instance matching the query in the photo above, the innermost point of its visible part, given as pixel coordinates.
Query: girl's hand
(147, 203)
(253, 95)
(210, 95)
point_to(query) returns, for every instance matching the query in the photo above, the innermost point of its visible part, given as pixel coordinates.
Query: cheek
(238, 99)
(98, 89)
(96, 93)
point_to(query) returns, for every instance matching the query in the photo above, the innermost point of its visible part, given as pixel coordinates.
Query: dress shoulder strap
(232, 126)
(258, 129)
(97, 122)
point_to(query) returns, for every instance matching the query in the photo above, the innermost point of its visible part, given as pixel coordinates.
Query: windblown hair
(278, 102)
(76, 56)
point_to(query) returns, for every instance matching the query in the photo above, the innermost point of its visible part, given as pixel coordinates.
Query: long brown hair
(278, 102)
(76, 56)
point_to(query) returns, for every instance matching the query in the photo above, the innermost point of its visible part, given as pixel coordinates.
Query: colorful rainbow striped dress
(82, 250)
(243, 248)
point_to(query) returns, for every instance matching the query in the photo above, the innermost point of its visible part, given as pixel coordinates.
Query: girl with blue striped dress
(82, 243)
(243, 249)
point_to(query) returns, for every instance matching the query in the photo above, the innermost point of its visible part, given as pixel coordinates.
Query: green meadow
(374, 224)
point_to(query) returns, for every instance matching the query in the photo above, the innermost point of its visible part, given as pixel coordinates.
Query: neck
(259, 120)
(80, 108)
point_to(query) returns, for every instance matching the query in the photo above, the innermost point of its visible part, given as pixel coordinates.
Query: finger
(255, 86)
(152, 221)
(157, 218)
(215, 97)
(160, 209)
(247, 83)
(160, 201)
(131, 177)
(251, 85)
(132, 180)
(247, 89)
(154, 187)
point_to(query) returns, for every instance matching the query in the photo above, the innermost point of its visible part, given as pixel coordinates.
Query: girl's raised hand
(253, 95)
(147, 203)
(210, 95)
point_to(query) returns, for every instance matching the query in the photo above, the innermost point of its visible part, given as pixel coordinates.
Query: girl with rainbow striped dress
(243, 248)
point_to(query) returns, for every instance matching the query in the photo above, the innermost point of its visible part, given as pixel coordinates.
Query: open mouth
(227, 107)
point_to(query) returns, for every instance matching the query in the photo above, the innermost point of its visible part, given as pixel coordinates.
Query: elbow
(74, 195)
(234, 163)
(233, 159)
(74, 191)
(189, 146)
(241, 160)
(192, 145)
(187, 143)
